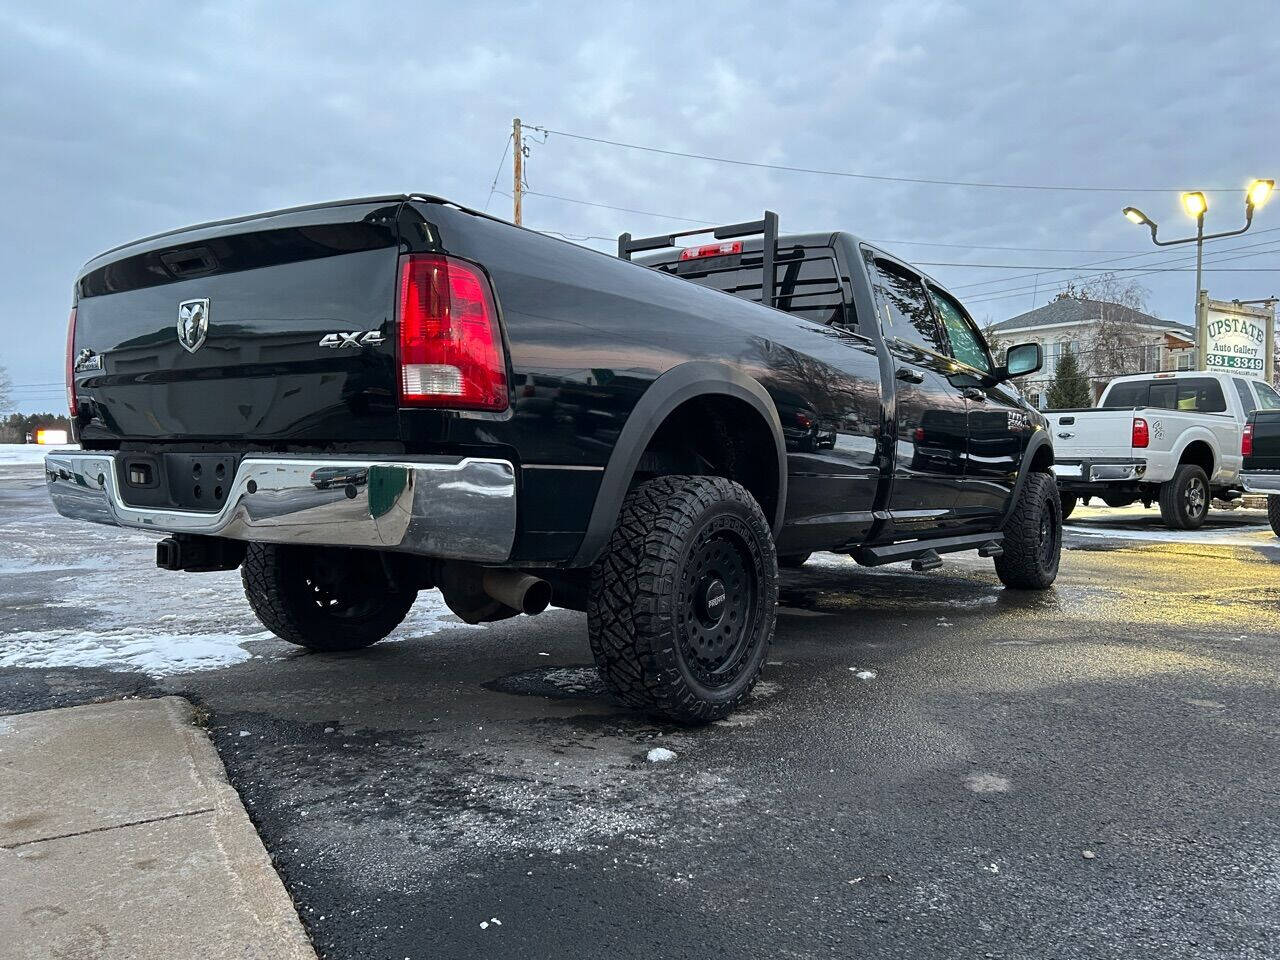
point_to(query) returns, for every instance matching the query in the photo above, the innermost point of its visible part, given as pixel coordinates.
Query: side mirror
(1021, 360)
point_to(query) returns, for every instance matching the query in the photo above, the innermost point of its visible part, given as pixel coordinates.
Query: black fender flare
(1040, 438)
(697, 378)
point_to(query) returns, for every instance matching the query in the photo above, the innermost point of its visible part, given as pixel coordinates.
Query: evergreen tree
(1070, 387)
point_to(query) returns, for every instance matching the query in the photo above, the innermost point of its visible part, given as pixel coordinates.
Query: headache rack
(767, 228)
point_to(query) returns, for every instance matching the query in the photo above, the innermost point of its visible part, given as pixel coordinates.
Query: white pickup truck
(1167, 438)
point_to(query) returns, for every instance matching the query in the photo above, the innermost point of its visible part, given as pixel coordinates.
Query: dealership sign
(1239, 338)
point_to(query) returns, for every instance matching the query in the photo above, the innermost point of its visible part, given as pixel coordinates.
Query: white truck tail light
(451, 351)
(1141, 435)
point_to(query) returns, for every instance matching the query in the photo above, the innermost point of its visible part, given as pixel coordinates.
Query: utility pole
(518, 185)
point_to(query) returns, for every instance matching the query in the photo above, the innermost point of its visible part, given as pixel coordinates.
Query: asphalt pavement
(932, 766)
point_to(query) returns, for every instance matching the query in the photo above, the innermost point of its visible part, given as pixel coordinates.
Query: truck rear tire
(1068, 501)
(325, 599)
(683, 601)
(1032, 536)
(1273, 514)
(1184, 500)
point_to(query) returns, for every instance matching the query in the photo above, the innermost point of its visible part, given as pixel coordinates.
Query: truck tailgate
(227, 331)
(1091, 434)
(1266, 441)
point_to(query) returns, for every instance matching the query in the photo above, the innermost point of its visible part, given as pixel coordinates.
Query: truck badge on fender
(193, 323)
(353, 339)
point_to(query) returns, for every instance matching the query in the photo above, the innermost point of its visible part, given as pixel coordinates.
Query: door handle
(973, 393)
(908, 375)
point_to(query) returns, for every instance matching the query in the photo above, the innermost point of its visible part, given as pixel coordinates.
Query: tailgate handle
(192, 262)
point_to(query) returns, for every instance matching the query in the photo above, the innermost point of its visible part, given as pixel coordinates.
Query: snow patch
(26, 453)
(661, 755)
(156, 654)
(987, 783)
(863, 674)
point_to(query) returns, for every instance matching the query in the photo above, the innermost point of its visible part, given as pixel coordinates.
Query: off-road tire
(325, 599)
(1273, 514)
(656, 643)
(1180, 507)
(1032, 536)
(794, 561)
(1068, 501)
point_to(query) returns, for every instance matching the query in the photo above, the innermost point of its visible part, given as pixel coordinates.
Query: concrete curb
(120, 836)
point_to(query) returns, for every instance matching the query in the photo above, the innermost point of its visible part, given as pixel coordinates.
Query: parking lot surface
(931, 766)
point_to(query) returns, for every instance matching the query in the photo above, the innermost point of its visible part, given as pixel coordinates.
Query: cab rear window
(1190, 394)
(808, 282)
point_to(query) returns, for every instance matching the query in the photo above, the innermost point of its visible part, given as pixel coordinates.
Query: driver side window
(967, 345)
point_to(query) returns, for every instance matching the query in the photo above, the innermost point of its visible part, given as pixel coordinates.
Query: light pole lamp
(1196, 206)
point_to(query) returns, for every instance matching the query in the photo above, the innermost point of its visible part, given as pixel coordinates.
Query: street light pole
(1202, 315)
(1195, 204)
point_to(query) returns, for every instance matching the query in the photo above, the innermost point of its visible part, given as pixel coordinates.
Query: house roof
(1066, 310)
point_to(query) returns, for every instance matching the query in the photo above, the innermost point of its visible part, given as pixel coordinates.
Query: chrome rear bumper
(1261, 481)
(460, 508)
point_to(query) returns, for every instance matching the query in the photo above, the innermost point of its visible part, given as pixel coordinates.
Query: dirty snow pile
(92, 597)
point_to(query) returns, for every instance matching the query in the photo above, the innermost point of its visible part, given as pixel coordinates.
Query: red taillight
(72, 403)
(1141, 435)
(711, 250)
(450, 347)
(1246, 441)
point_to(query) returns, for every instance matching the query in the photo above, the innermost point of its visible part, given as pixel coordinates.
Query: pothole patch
(555, 683)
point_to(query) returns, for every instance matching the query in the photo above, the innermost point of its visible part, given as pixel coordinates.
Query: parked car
(1260, 450)
(1167, 438)
(356, 401)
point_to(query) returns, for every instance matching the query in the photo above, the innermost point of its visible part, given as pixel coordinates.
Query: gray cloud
(123, 120)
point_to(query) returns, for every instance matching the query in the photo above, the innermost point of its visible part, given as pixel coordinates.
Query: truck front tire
(325, 599)
(1032, 536)
(684, 599)
(1184, 500)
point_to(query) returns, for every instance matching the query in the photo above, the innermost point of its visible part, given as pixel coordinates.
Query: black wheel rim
(1046, 539)
(717, 606)
(1195, 498)
(344, 591)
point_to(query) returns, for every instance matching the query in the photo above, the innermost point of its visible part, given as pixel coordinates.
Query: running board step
(927, 551)
(929, 560)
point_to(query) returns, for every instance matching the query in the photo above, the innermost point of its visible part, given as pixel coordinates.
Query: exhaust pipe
(519, 591)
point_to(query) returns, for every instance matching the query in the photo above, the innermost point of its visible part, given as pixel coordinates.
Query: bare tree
(1116, 346)
(6, 390)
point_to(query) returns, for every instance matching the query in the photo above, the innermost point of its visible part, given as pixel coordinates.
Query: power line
(921, 243)
(1059, 284)
(1052, 269)
(501, 163)
(878, 177)
(607, 206)
(1213, 257)
(1093, 263)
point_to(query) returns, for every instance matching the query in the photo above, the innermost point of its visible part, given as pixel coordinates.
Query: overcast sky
(118, 120)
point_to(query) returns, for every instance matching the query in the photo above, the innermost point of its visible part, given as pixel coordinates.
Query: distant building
(1108, 339)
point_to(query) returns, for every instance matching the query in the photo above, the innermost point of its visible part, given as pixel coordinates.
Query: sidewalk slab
(105, 764)
(121, 837)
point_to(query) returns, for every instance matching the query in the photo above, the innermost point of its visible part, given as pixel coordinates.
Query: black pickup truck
(356, 401)
(1260, 468)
